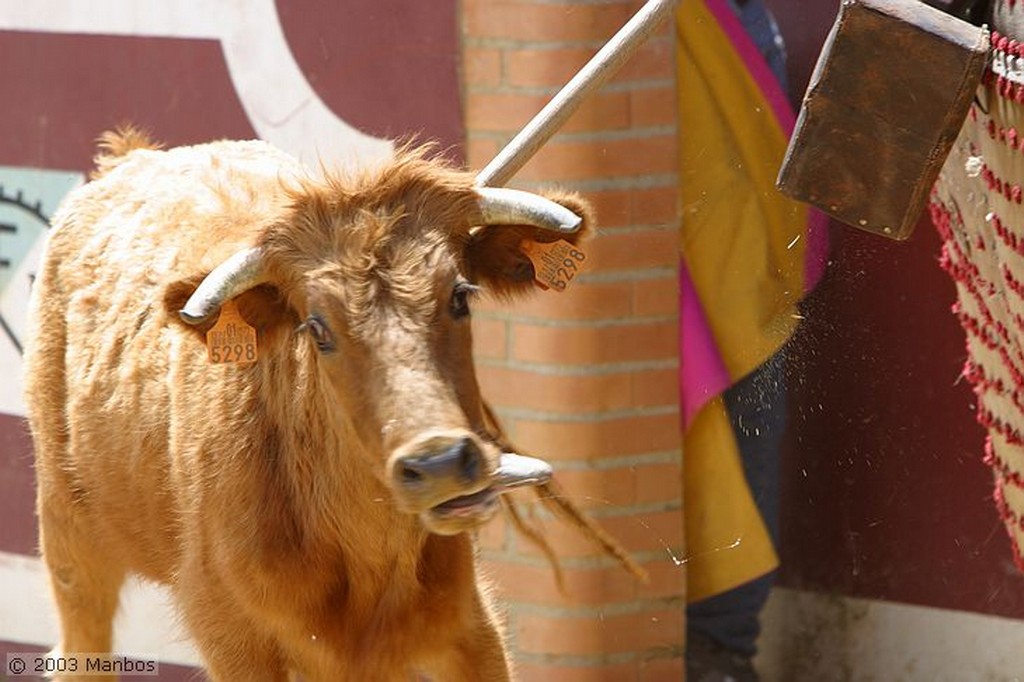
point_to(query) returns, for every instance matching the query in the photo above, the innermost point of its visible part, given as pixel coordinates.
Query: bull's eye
(459, 304)
(320, 332)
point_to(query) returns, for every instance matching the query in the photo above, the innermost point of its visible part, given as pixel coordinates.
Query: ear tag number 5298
(232, 340)
(555, 263)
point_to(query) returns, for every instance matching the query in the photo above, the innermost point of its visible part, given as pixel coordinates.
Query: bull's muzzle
(460, 462)
(453, 479)
(445, 477)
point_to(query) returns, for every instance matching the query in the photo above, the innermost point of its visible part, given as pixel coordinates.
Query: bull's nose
(460, 460)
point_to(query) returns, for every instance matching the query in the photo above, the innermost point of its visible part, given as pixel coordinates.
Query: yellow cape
(744, 247)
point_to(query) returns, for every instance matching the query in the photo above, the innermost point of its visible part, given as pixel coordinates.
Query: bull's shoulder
(163, 215)
(178, 196)
(182, 169)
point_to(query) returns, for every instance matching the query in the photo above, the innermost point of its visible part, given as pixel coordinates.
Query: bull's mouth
(514, 471)
(478, 504)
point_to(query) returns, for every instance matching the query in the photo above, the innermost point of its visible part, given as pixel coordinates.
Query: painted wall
(888, 520)
(587, 378)
(321, 79)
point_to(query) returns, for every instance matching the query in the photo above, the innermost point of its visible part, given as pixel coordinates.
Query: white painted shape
(45, 188)
(814, 637)
(172, 19)
(26, 616)
(280, 103)
(14, 304)
(146, 624)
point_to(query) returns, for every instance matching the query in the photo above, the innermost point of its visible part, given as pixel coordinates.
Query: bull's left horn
(502, 206)
(237, 274)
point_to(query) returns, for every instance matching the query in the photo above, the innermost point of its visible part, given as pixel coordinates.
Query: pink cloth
(703, 372)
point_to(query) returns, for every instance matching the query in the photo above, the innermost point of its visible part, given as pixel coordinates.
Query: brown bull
(306, 509)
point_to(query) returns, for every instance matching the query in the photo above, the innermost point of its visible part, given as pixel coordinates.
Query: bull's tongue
(517, 471)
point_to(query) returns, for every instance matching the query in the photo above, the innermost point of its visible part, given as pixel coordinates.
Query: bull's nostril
(469, 460)
(410, 474)
(458, 460)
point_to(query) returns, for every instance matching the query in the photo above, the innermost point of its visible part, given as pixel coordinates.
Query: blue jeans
(757, 410)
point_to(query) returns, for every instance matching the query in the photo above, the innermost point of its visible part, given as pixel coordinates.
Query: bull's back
(103, 351)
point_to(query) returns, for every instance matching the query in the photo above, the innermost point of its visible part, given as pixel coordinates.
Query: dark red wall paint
(67, 89)
(885, 494)
(388, 68)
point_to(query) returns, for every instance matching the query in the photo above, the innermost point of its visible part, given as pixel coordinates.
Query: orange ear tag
(555, 263)
(232, 340)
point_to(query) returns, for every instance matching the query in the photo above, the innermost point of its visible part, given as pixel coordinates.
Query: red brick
(481, 66)
(613, 437)
(657, 297)
(555, 394)
(667, 579)
(600, 488)
(524, 583)
(501, 111)
(597, 672)
(490, 338)
(612, 634)
(508, 112)
(613, 208)
(527, 21)
(659, 482)
(616, 157)
(578, 394)
(623, 486)
(640, 532)
(650, 107)
(480, 151)
(656, 206)
(601, 111)
(590, 301)
(493, 535)
(654, 60)
(638, 249)
(654, 387)
(579, 345)
(662, 669)
(585, 586)
(553, 67)
(540, 67)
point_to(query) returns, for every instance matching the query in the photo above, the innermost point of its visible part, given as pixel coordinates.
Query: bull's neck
(340, 499)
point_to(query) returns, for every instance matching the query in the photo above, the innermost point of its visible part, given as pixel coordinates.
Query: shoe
(709, 661)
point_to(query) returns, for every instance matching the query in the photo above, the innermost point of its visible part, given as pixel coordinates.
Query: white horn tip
(503, 206)
(516, 471)
(572, 224)
(192, 317)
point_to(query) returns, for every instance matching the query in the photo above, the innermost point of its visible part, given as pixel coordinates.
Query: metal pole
(599, 69)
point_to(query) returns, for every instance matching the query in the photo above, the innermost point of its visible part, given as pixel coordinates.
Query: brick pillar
(588, 378)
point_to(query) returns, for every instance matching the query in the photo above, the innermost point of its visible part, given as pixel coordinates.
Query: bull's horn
(516, 471)
(237, 274)
(502, 206)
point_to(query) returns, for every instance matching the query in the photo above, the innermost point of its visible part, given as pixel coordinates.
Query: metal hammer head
(880, 116)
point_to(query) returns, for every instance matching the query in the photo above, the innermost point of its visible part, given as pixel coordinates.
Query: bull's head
(379, 273)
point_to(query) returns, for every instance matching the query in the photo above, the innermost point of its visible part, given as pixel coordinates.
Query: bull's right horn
(237, 274)
(503, 206)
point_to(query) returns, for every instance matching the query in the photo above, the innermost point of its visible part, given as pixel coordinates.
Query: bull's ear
(495, 257)
(263, 306)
